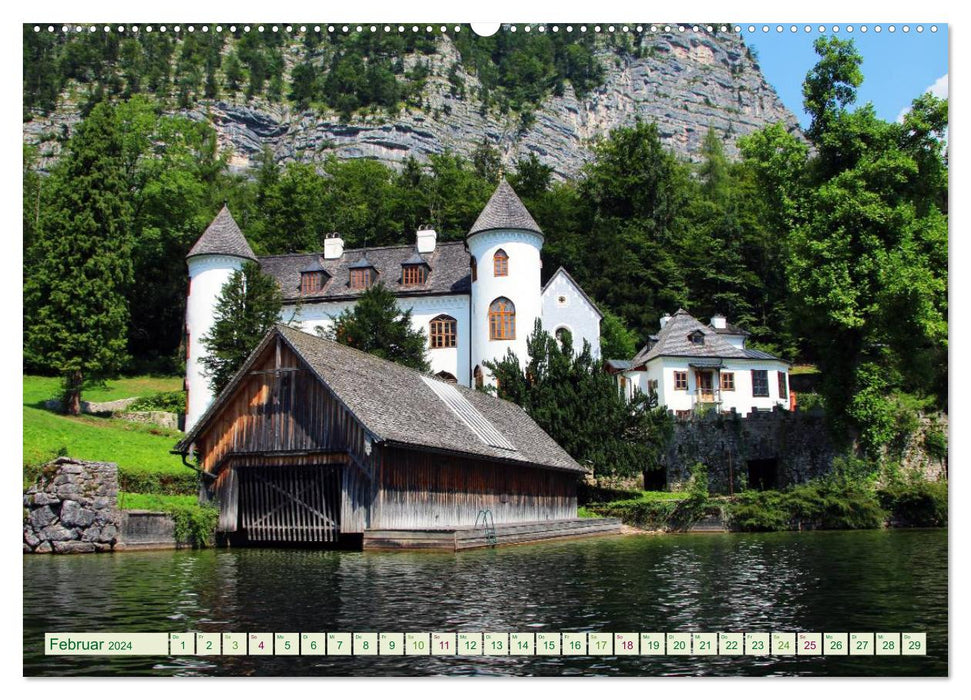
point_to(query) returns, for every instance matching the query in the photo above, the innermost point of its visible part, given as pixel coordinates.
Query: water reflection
(862, 581)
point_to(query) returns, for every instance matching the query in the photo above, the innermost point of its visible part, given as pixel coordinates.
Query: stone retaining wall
(72, 508)
(799, 442)
(144, 529)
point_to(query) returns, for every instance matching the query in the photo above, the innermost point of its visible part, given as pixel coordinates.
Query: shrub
(194, 525)
(920, 504)
(152, 482)
(830, 504)
(170, 401)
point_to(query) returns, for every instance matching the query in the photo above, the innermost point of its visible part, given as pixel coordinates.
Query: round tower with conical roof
(220, 251)
(505, 244)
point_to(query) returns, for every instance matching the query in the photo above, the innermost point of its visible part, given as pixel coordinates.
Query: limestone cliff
(683, 81)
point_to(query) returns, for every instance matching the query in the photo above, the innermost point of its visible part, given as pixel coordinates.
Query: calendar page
(373, 348)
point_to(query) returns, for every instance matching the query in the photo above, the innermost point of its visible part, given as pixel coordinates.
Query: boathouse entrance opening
(290, 503)
(763, 474)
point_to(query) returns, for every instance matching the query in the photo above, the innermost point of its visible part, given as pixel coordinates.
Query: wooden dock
(458, 539)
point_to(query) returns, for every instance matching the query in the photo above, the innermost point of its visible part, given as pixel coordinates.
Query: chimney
(333, 246)
(664, 320)
(426, 238)
(718, 321)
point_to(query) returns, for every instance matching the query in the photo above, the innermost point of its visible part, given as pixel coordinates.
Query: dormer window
(361, 278)
(312, 282)
(697, 337)
(414, 271)
(362, 273)
(412, 275)
(500, 264)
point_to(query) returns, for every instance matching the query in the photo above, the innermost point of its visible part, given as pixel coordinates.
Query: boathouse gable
(312, 440)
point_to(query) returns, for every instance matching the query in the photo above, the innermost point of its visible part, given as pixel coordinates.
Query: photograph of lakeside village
(313, 317)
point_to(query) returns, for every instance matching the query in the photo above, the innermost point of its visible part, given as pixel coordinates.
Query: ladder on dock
(488, 524)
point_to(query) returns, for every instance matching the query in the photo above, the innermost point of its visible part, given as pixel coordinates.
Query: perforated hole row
(443, 29)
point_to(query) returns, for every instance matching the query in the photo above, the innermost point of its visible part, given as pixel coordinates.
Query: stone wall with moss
(72, 508)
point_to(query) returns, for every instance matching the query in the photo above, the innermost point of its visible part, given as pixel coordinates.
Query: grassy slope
(134, 447)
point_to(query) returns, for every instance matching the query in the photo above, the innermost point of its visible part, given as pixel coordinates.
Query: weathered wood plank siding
(281, 415)
(425, 490)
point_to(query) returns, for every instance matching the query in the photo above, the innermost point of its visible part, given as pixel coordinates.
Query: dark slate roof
(505, 211)
(673, 341)
(618, 365)
(397, 407)
(448, 264)
(562, 270)
(729, 329)
(361, 263)
(315, 265)
(222, 237)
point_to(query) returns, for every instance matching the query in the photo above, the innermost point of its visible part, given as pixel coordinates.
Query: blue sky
(897, 67)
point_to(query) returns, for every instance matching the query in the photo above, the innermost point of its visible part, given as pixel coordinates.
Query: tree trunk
(72, 393)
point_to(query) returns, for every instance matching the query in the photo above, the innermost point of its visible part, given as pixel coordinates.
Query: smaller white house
(694, 367)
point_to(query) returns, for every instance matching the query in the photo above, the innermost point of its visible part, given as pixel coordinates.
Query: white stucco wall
(740, 399)
(455, 360)
(564, 306)
(521, 286)
(207, 276)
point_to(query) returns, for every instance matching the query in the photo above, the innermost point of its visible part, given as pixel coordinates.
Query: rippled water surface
(820, 581)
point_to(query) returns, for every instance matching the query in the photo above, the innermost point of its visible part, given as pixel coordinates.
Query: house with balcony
(693, 367)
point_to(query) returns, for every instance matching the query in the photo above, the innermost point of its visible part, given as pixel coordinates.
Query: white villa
(693, 367)
(474, 299)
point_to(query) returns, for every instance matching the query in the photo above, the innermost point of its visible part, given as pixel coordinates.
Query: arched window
(500, 263)
(563, 335)
(475, 270)
(477, 377)
(502, 320)
(441, 332)
(448, 377)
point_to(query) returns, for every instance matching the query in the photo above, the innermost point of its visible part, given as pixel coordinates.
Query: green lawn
(134, 447)
(39, 389)
(152, 501)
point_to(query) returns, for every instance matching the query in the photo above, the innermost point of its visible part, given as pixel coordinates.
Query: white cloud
(938, 89)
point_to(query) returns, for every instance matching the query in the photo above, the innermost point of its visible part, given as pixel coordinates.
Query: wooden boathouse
(315, 443)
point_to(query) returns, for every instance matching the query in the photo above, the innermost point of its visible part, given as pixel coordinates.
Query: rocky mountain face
(685, 82)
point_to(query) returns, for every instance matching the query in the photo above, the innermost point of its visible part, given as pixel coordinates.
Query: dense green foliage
(247, 308)
(80, 262)
(867, 262)
(917, 504)
(813, 506)
(377, 325)
(171, 401)
(574, 400)
(347, 72)
(195, 525)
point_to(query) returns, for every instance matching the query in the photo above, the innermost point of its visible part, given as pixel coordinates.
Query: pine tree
(574, 400)
(247, 309)
(76, 317)
(376, 325)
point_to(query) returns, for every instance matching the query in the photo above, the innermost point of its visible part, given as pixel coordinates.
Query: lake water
(869, 581)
